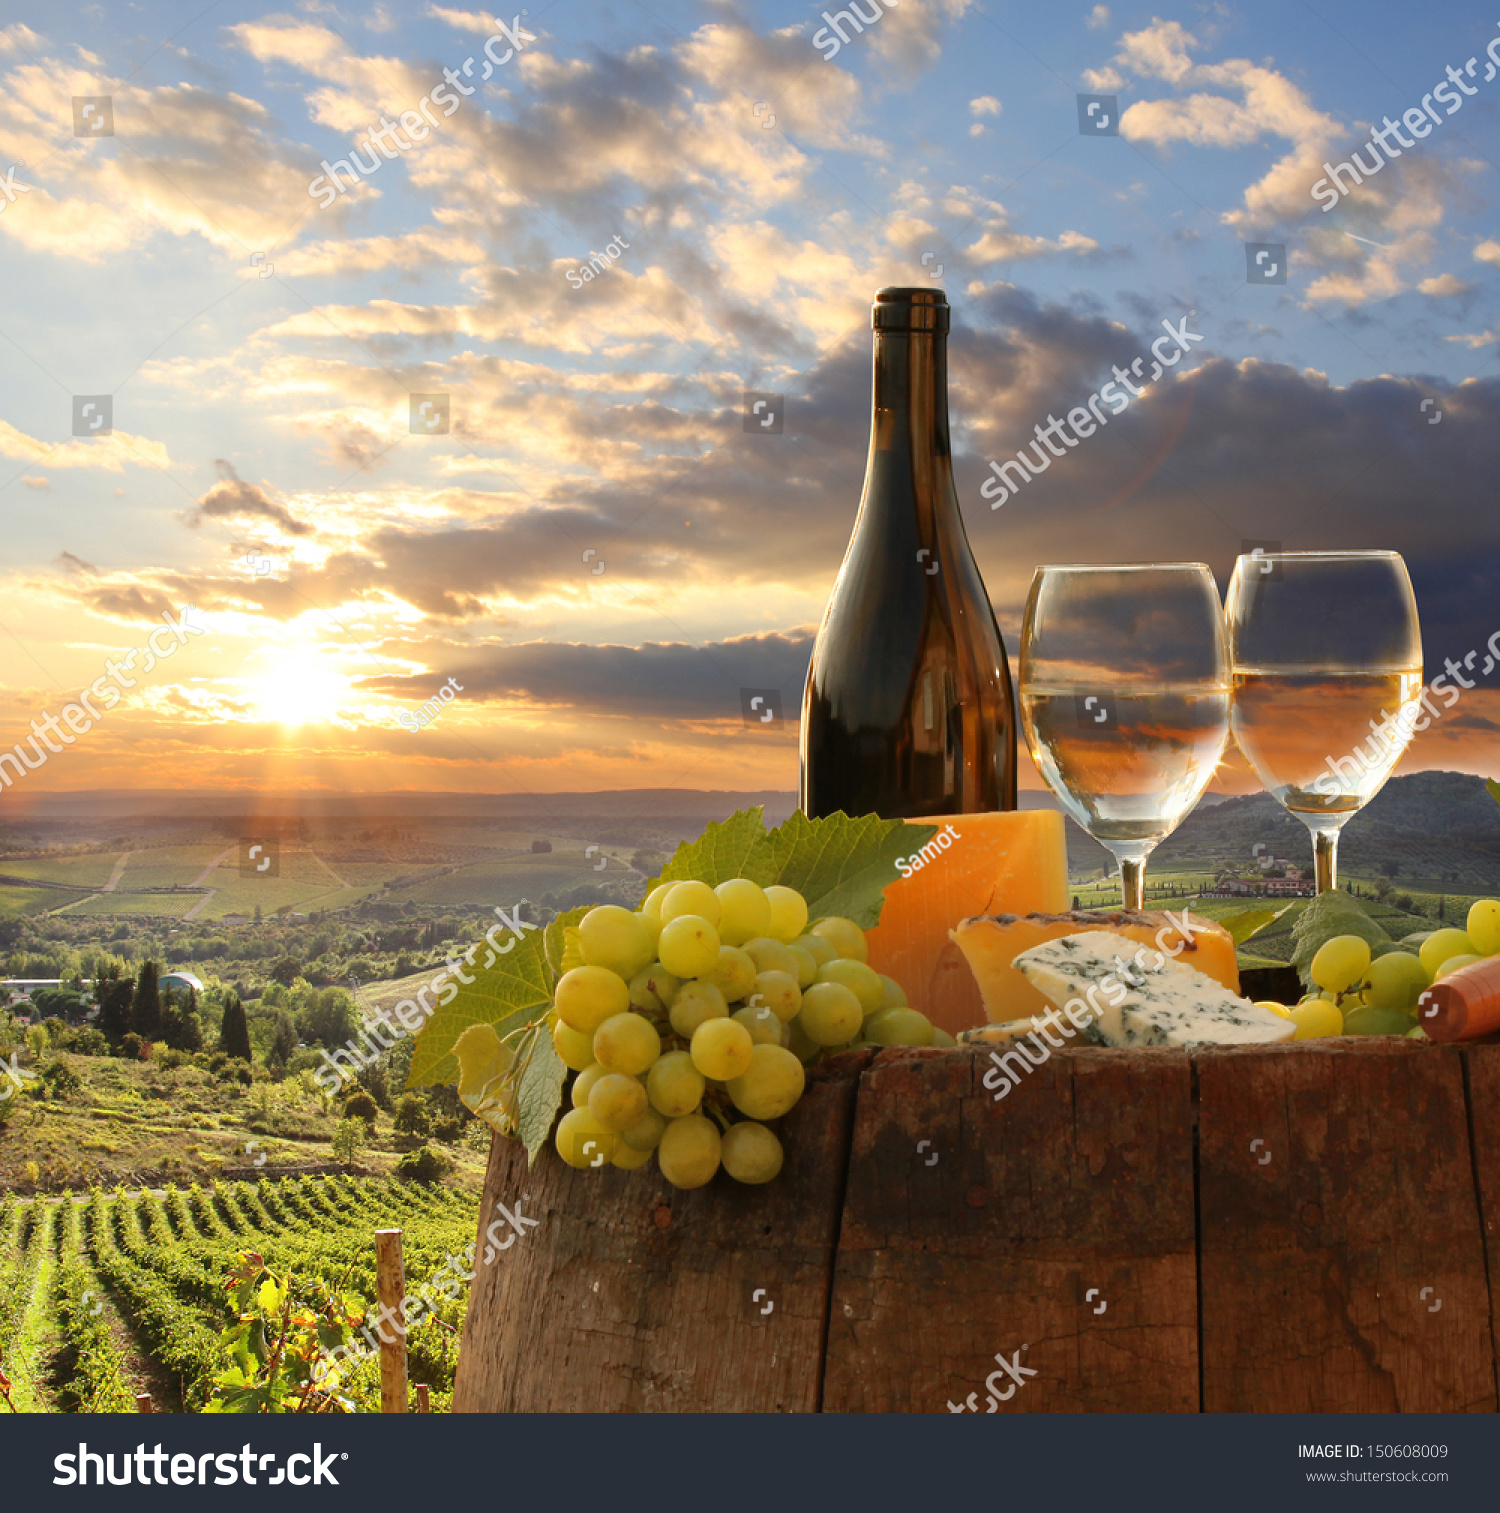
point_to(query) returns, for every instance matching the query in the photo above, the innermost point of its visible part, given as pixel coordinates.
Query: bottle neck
(910, 406)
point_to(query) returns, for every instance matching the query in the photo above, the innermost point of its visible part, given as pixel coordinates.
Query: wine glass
(1125, 699)
(1323, 646)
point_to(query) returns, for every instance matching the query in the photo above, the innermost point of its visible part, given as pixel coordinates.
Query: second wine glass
(1125, 696)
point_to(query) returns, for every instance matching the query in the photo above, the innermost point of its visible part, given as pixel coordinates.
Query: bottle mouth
(910, 310)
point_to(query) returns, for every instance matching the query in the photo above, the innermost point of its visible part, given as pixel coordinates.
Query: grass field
(106, 1295)
(144, 1124)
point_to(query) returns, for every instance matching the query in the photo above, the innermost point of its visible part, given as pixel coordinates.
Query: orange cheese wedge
(976, 864)
(991, 945)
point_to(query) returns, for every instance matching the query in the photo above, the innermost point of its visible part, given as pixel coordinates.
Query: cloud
(1098, 18)
(110, 452)
(985, 105)
(654, 682)
(233, 499)
(1488, 252)
(1444, 286)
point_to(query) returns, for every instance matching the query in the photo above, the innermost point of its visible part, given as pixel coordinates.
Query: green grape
(626, 1043)
(696, 1002)
(584, 1081)
(751, 1153)
(1316, 1018)
(645, 1134)
(1341, 962)
(733, 973)
(1483, 926)
(1456, 964)
(771, 956)
(587, 996)
(652, 989)
(1397, 980)
(721, 1049)
(615, 938)
(574, 1049)
(689, 1151)
(582, 1141)
(788, 913)
(898, 1027)
(652, 903)
(763, 1026)
(770, 1085)
(817, 947)
(780, 994)
(745, 911)
(807, 966)
(617, 1101)
(572, 955)
(1442, 944)
(943, 1038)
(693, 898)
(689, 945)
(895, 994)
(798, 1043)
(628, 1157)
(1373, 1021)
(864, 982)
(844, 936)
(830, 1013)
(652, 926)
(674, 1085)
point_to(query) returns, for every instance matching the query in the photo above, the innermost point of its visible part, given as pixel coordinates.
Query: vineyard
(107, 1295)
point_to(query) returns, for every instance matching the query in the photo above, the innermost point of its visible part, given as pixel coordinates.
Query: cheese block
(991, 944)
(976, 864)
(1006, 1035)
(1141, 997)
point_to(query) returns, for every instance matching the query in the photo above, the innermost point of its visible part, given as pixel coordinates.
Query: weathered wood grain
(630, 1295)
(1317, 1242)
(1080, 1178)
(1482, 1065)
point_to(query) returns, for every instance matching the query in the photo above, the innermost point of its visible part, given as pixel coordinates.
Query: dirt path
(201, 881)
(118, 873)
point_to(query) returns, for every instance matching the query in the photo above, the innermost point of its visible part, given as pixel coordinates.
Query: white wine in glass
(1125, 699)
(1327, 660)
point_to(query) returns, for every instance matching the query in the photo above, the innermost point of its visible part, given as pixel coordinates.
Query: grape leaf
(1242, 926)
(540, 1093)
(514, 990)
(842, 865)
(1327, 915)
(1494, 788)
(726, 849)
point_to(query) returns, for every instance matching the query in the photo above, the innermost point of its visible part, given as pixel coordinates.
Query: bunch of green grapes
(1360, 993)
(690, 1022)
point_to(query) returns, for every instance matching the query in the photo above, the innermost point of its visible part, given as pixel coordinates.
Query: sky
(592, 552)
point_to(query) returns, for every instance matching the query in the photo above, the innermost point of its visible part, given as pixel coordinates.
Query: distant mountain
(1438, 827)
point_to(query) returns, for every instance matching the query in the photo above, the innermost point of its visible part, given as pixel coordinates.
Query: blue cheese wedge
(1006, 1035)
(1136, 996)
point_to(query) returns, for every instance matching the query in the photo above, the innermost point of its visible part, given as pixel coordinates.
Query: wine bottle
(907, 710)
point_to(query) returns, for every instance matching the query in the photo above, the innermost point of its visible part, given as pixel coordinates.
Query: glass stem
(1133, 882)
(1325, 859)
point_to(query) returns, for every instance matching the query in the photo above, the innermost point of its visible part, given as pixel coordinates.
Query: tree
(234, 1032)
(115, 999)
(412, 1117)
(327, 1017)
(349, 1139)
(283, 1039)
(145, 1011)
(1390, 869)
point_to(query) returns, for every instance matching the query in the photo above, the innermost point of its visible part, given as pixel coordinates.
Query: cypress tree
(234, 1031)
(145, 1013)
(115, 999)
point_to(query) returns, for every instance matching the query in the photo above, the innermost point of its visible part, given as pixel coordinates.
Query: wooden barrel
(1300, 1228)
